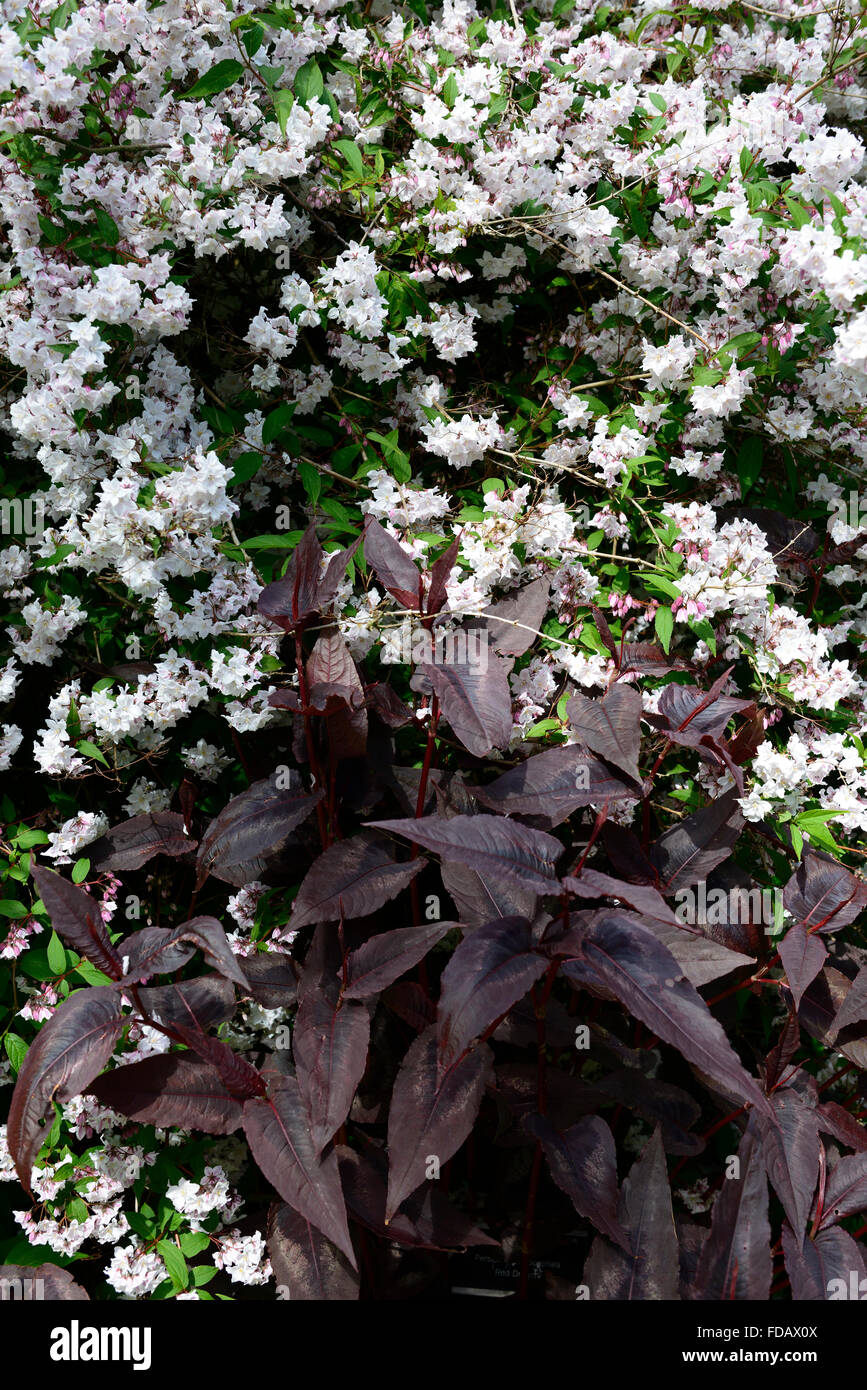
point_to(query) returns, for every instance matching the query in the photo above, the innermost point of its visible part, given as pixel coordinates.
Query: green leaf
(283, 103)
(815, 824)
(90, 750)
(749, 462)
(352, 154)
(276, 421)
(311, 480)
(194, 1242)
(56, 954)
(80, 870)
(16, 1050)
(91, 975)
(10, 908)
(77, 1210)
(309, 82)
(217, 79)
(664, 624)
(246, 467)
(174, 1263)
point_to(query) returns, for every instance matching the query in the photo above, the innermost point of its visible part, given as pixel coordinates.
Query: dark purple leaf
(686, 713)
(854, 1006)
(278, 1132)
(240, 1079)
(488, 844)
(822, 894)
(648, 659)
(833, 1255)
(651, 1271)
(490, 971)
(329, 1045)
(254, 827)
(75, 916)
(627, 857)
(583, 1162)
(334, 572)
(308, 1266)
(513, 623)
(439, 577)
(611, 727)
(393, 566)
(152, 954)
(170, 1089)
(481, 897)
(352, 879)
(736, 1257)
(790, 1147)
(802, 954)
(687, 852)
(553, 784)
(646, 900)
(132, 843)
(659, 1103)
(820, 1006)
(624, 959)
(69, 1050)
(474, 698)
(384, 958)
(271, 979)
(206, 1001)
(427, 1219)
(431, 1112)
(409, 1001)
(845, 1190)
(291, 601)
(834, 1120)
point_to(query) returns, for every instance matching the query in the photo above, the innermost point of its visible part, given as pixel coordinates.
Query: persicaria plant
(433, 555)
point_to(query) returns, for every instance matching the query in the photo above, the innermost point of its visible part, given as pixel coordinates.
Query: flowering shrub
(433, 566)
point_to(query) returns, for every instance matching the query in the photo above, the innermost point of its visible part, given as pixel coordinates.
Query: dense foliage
(434, 689)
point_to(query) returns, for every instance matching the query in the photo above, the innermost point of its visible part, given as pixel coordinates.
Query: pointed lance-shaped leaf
(624, 959)
(802, 954)
(278, 1132)
(854, 1006)
(307, 1265)
(822, 894)
(650, 1271)
(132, 843)
(687, 853)
(489, 844)
(845, 1190)
(474, 698)
(553, 784)
(583, 1162)
(352, 878)
(293, 600)
(239, 1077)
(813, 1266)
(201, 1002)
(76, 918)
(490, 971)
(611, 727)
(736, 1260)
(171, 1089)
(393, 566)
(69, 1050)
(790, 1148)
(254, 827)
(384, 958)
(162, 951)
(329, 1044)
(513, 623)
(431, 1112)
(440, 576)
(426, 1220)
